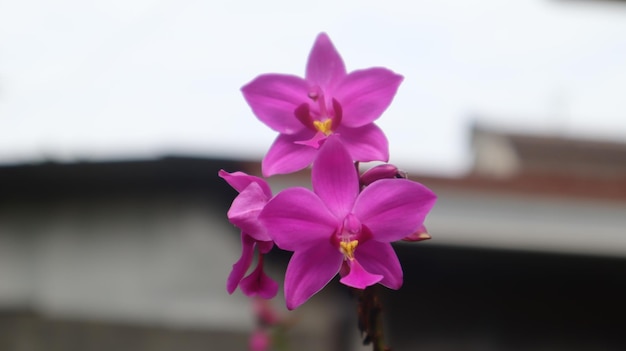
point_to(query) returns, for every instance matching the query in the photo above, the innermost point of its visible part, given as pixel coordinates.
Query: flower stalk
(370, 318)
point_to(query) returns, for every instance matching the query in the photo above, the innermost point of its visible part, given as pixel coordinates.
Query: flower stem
(370, 318)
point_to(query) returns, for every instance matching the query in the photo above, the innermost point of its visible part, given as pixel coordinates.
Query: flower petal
(241, 180)
(393, 208)
(241, 266)
(325, 66)
(365, 94)
(366, 143)
(244, 212)
(258, 283)
(334, 177)
(358, 277)
(380, 258)
(287, 156)
(296, 218)
(274, 98)
(309, 271)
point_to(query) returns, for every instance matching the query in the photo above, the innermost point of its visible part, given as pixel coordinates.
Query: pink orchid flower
(327, 101)
(254, 193)
(337, 228)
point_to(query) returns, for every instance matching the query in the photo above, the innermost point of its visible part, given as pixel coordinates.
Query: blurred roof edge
(544, 164)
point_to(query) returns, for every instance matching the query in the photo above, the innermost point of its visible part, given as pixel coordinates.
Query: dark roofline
(199, 175)
(87, 179)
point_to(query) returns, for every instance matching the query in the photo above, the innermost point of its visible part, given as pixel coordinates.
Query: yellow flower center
(347, 248)
(324, 126)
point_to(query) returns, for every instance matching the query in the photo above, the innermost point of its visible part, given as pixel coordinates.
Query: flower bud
(385, 171)
(265, 313)
(260, 341)
(420, 235)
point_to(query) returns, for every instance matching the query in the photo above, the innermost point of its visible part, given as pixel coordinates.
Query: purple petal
(393, 208)
(380, 258)
(241, 180)
(334, 177)
(366, 143)
(244, 212)
(358, 277)
(296, 218)
(241, 266)
(258, 283)
(274, 98)
(287, 156)
(309, 271)
(325, 66)
(365, 94)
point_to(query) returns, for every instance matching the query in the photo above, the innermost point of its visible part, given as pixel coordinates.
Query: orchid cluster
(347, 223)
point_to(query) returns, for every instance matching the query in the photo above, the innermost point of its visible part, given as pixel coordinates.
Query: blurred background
(115, 117)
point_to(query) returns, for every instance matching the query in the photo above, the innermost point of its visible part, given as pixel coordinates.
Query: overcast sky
(82, 80)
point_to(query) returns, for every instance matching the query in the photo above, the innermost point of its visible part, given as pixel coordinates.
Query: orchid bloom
(254, 193)
(327, 101)
(337, 228)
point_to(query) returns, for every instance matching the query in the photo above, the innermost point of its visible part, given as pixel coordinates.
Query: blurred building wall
(129, 255)
(528, 253)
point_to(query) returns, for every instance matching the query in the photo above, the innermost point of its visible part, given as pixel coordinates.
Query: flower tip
(323, 41)
(419, 235)
(292, 303)
(424, 236)
(268, 170)
(322, 36)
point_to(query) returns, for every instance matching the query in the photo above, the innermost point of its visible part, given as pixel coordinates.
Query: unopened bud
(265, 312)
(385, 171)
(259, 341)
(420, 235)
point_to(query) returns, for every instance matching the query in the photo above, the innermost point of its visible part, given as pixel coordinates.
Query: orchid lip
(324, 125)
(325, 121)
(349, 235)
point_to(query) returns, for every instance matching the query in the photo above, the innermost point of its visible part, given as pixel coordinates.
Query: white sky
(82, 80)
